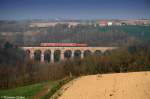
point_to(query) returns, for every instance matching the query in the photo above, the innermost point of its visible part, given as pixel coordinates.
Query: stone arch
(77, 54)
(67, 54)
(57, 54)
(27, 52)
(87, 53)
(37, 55)
(47, 56)
(107, 52)
(98, 52)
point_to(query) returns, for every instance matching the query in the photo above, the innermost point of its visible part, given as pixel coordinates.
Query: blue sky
(74, 9)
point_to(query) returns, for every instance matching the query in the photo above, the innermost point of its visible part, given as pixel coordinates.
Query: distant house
(109, 23)
(103, 23)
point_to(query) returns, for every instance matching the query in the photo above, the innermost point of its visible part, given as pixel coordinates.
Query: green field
(27, 91)
(141, 32)
(33, 91)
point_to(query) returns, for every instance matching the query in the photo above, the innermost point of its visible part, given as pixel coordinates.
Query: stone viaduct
(63, 52)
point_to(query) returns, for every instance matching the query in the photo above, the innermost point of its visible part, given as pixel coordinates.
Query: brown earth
(134, 85)
(43, 92)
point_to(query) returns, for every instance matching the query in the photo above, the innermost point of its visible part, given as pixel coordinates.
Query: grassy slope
(26, 91)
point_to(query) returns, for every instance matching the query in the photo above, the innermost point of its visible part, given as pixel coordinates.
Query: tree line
(23, 35)
(18, 70)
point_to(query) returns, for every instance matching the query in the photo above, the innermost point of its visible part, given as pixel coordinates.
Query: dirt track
(110, 86)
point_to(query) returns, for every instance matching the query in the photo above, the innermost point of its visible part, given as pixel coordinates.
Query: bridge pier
(62, 55)
(52, 56)
(72, 54)
(42, 58)
(32, 55)
(82, 54)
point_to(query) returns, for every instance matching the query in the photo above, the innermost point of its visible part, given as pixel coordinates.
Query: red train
(62, 45)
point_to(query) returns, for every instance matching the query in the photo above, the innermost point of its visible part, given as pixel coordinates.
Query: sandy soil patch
(134, 85)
